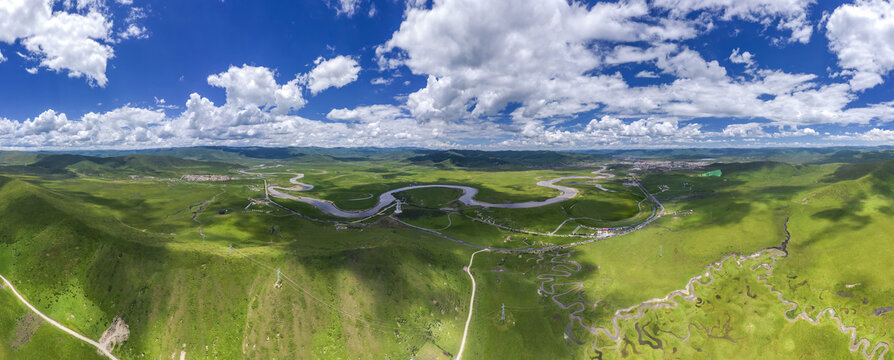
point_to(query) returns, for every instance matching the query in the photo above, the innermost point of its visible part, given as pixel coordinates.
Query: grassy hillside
(16, 158)
(70, 165)
(838, 217)
(345, 298)
(88, 249)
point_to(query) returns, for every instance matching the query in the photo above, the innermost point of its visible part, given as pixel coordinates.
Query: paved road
(56, 324)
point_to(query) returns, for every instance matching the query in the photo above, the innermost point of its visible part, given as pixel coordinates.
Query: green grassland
(88, 247)
(742, 213)
(735, 316)
(172, 290)
(18, 340)
(342, 183)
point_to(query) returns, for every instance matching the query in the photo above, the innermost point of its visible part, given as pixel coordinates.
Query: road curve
(468, 269)
(467, 198)
(56, 324)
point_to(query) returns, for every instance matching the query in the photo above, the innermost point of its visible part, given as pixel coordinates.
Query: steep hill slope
(342, 297)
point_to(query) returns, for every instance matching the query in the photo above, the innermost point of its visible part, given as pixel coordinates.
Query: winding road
(71, 332)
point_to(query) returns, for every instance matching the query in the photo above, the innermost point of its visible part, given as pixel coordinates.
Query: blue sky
(490, 74)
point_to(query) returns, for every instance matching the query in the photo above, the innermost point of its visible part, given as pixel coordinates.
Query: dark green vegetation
(120, 166)
(86, 242)
(501, 159)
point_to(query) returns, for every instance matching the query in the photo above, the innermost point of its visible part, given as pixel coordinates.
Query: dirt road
(56, 324)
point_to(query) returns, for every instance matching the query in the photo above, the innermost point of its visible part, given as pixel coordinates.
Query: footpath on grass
(71, 332)
(468, 269)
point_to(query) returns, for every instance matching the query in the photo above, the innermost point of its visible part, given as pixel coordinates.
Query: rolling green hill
(501, 159)
(87, 249)
(71, 164)
(81, 265)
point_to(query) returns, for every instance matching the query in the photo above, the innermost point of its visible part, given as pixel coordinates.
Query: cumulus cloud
(126, 126)
(876, 135)
(374, 113)
(134, 31)
(743, 57)
(557, 59)
(797, 133)
(72, 42)
(623, 54)
(790, 15)
(335, 72)
(132, 27)
(646, 75)
(548, 61)
(477, 63)
(254, 86)
(204, 123)
(161, 103)
(381, 81)
(2, 58)
(347, 7)
(607, 131)
(862, 36)
(475, 57)
(745, 130)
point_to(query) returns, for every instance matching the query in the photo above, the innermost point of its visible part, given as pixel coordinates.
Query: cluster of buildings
(657, 165)
(208, 178)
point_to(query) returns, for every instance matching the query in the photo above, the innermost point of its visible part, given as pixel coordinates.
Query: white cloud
(607, 131)
(123, 126)
(61, 41)
(745, 130)
(622, 54)
(160, 103)
(788, 14)
(254, 86)
(2, 58)
(797, 133)
(876, 135)
(862, 36)
(549, 60)
(744, 57)
(557, 59)
(345, 7)
(381, 81)
(643, 128)
(335, 72)
(485, 54)
(689, 64)
(31, 70)
(134, 31)
(374, 113)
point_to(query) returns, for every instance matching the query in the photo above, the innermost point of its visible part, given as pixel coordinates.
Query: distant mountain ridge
(71, 164)
(482, 159)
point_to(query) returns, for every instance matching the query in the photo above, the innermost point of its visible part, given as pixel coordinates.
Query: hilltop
(72, 164)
